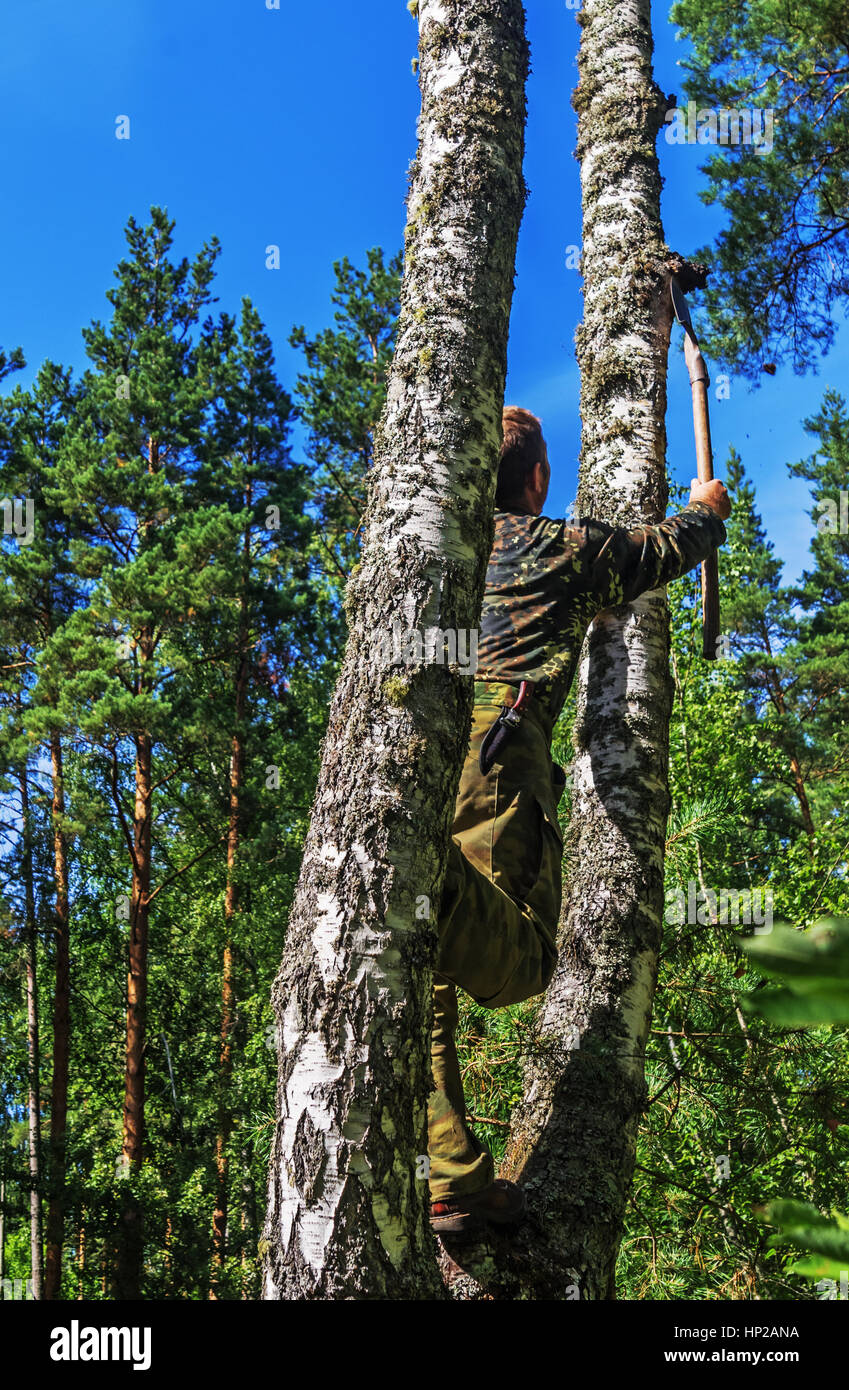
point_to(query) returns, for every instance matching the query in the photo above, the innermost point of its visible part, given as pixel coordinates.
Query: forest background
(185, 599)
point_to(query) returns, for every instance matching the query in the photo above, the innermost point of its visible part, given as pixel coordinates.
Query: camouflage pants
(497, 920)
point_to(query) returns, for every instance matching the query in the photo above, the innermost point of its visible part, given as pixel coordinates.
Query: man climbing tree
(573, 1136)
(545, 584)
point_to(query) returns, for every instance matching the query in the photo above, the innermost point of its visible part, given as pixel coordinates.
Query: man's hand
(714, 494)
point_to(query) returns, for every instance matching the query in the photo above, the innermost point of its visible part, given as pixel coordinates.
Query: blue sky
(296, 126)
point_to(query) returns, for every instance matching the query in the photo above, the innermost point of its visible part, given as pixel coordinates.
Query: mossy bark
(347, 1216)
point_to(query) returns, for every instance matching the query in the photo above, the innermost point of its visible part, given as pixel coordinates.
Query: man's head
(523, 470)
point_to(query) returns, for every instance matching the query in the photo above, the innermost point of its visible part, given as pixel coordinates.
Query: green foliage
(340, 396)
(826, 1238)
(11, 362)
(491, 1046)
(172, 562)
(814, 969)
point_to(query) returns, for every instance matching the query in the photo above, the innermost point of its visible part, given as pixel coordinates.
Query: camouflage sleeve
(620, 565)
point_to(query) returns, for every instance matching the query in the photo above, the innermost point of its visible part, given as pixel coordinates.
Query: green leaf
(807, 1228)
(819, 1268)
(815, 967)
(819, 954)
(810, 1008)
(786, 1211)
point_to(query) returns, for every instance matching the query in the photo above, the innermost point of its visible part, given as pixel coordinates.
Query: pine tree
(781, 264)
(146, 555)
(42, 593)
(822, 650)
(10, 362)
(341, 395)
(762, 624)
(263, 623)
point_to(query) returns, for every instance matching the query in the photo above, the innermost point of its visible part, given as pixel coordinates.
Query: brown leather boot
(500, 1204)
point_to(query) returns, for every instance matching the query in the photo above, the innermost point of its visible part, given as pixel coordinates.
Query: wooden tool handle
(700, 381)
(710, 607)
(701, 429)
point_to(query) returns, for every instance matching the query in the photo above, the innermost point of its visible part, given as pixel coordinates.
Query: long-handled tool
(699, 381)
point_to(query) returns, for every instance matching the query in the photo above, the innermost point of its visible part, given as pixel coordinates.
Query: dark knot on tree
(691, 275)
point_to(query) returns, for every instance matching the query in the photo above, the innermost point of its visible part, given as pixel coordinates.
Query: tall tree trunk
(347, 1217)
(225, 1072)
(131, 1236)
(2, 1229)
(231, 906)
(81, 1254)
(573, 1137)
(33, 1059)
(249, 1222)
(168, 1254)
(795, 766)
(61, 1033)
(130, 1244)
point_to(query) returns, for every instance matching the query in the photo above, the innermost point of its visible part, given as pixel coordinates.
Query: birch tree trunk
(573, 1138)
(347, 1215)
(81, 1254)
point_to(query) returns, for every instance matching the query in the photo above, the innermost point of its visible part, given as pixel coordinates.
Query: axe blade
(680, 305)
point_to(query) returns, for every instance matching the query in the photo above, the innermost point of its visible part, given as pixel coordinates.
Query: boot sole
(462, 1223)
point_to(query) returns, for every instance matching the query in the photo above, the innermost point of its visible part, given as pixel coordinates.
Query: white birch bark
(348, 1194)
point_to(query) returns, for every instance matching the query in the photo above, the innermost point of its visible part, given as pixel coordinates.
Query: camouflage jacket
(547, 580)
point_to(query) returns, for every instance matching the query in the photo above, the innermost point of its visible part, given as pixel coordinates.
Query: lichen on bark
(347, 1212)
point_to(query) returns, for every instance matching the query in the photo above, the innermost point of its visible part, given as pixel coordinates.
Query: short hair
(521, 448)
